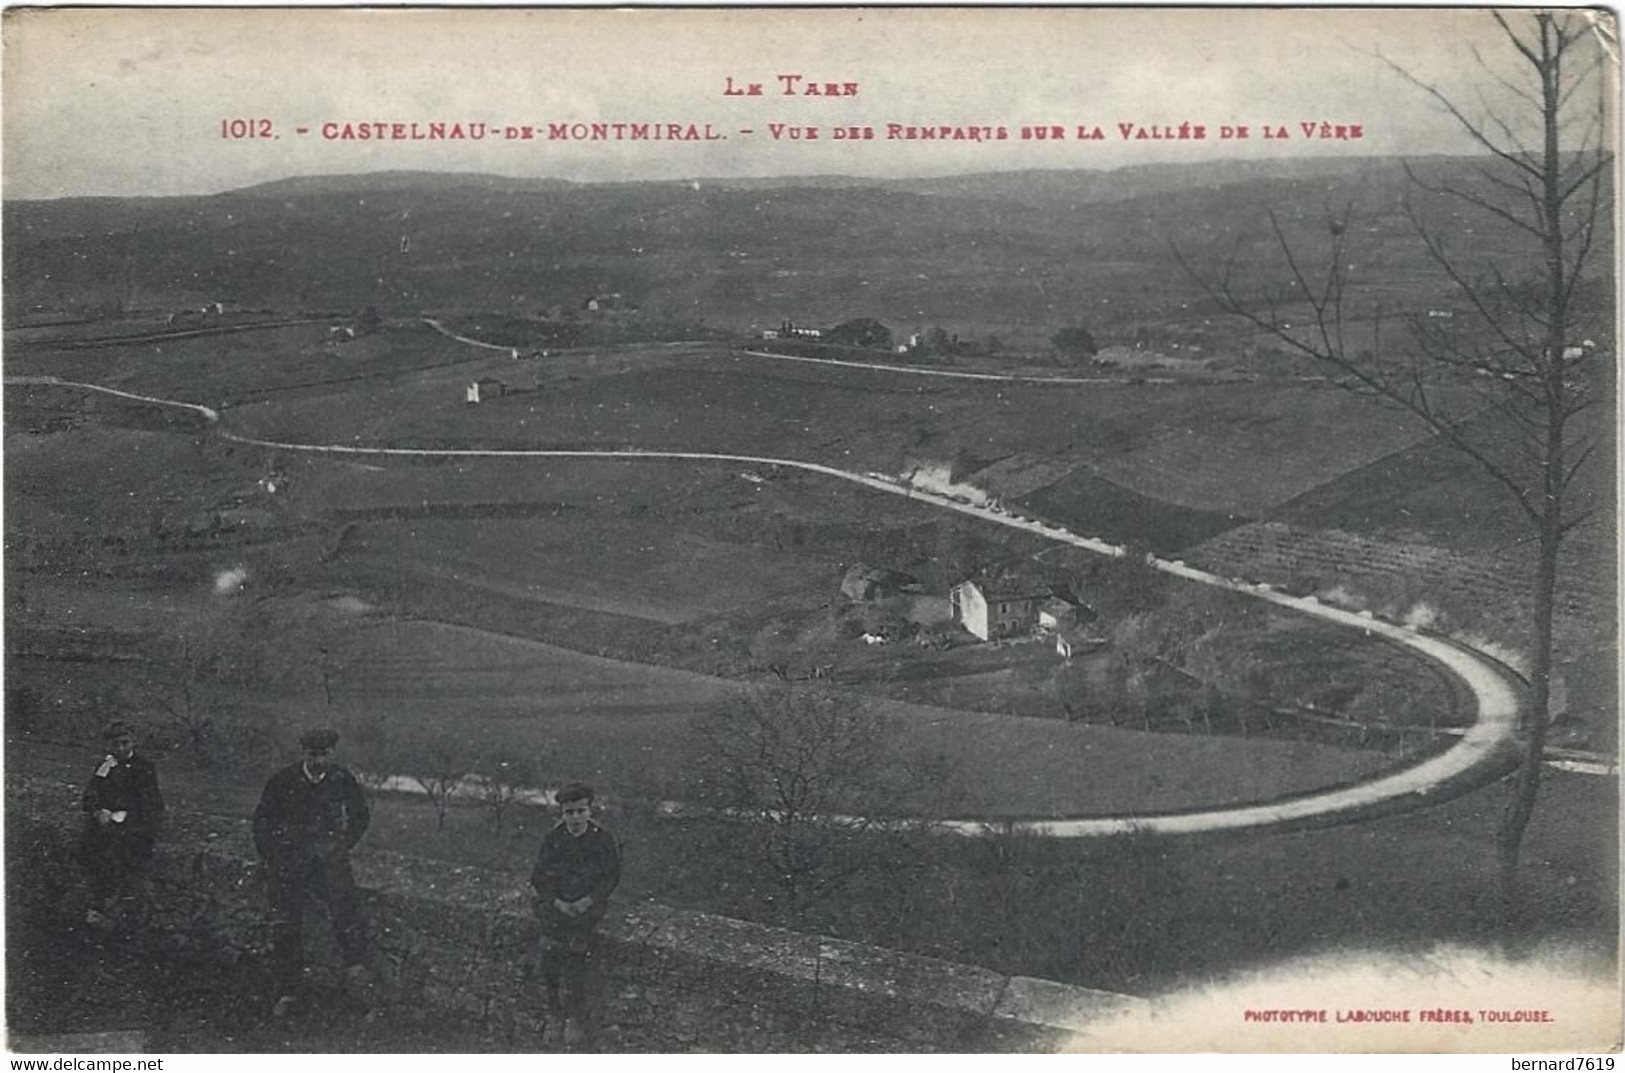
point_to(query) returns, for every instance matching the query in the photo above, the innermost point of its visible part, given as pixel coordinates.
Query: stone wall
(454, 941)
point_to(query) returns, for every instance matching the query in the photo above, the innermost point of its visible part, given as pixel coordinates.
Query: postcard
(812, 529)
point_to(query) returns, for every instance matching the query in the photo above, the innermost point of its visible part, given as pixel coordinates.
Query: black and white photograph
(814, 530)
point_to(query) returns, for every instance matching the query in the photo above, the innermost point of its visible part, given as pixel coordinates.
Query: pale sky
(131, 101)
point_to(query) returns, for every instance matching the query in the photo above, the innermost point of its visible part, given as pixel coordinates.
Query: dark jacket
(128, 786)
(298, 819)
(570, 867)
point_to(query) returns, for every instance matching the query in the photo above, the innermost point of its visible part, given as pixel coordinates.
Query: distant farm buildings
(790, 330)
(185, 318)
(486, 387)
(609, 303)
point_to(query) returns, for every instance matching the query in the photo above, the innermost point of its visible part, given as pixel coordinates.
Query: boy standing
(577, 867)
(123, 811)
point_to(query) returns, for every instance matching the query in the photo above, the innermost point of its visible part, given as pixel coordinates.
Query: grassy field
(587, 563)
(625, 725)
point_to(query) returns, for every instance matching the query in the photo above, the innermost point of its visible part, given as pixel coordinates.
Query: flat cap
(574, 791)
(319, 738)
(118, 728)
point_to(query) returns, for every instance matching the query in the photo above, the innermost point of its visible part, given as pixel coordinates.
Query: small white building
(609, 303)
(1073, 641)
(486, 387)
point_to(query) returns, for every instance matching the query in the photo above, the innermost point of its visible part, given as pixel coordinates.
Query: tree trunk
(1526, 783)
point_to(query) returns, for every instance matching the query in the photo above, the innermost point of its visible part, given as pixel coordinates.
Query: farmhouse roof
(1010, 588)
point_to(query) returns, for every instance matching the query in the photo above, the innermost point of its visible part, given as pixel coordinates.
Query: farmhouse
(486, 387)
(991, 610)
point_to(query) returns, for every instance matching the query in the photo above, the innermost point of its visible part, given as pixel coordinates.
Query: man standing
(123, 811)
(577, 867)
(310, 816)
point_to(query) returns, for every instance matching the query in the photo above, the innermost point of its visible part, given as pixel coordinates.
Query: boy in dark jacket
(309, 818)
(577, 867)
(123, 811)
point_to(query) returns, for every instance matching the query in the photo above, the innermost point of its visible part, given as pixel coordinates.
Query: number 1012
(239, 129)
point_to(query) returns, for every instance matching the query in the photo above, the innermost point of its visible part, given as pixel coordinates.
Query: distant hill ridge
(1030, 184)
(1009, 253)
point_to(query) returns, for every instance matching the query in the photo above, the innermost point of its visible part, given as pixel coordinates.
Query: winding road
(1488, 750)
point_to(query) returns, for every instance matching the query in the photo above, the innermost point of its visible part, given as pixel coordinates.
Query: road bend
(1487, 751)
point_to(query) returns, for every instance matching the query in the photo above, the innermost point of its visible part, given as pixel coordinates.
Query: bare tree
(191, 713)
(811, 774)
(1136, 650)
(503, 778)
(1506, 383)
(438, 764)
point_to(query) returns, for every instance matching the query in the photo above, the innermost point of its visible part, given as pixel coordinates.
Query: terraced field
(1482, 599)
(1398, 579)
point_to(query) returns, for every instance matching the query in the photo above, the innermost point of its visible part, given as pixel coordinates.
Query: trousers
(115, 863)
(566, 964)
(290, 885)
